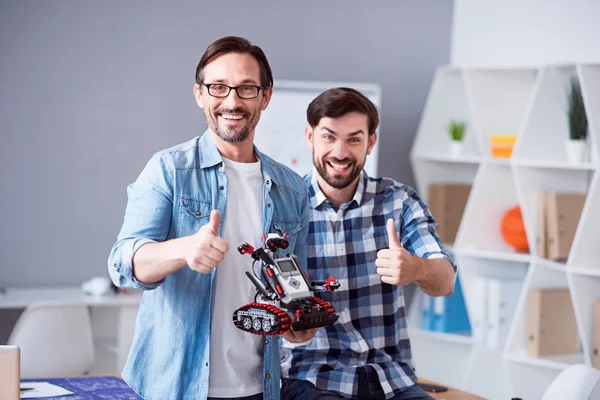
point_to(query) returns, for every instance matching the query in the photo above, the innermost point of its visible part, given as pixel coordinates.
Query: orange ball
(512, 228)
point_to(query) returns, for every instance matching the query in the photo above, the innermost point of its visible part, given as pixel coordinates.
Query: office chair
(577, 382)
(55, 338)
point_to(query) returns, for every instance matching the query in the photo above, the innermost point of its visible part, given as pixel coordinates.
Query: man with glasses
(374, 235)
(187, 212)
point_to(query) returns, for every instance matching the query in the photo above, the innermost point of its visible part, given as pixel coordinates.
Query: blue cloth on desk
(90, 388)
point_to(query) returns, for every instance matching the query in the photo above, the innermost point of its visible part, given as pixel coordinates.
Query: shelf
(529, 103)
(558, 362)
(491, 268)
(447, 158)
(429, 172)
(507, 162)
(441, 336)
(549, 164)
(554, 265)
(494, 255)
(532, 163)
(584, 271)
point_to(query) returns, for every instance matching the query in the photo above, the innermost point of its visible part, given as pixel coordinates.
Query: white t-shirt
(236, 357)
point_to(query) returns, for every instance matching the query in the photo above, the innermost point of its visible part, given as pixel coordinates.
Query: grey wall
(90, 90)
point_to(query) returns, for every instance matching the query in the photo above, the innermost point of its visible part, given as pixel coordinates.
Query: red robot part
(315, 314)
(261, 319)
(267, 320)
(331, 283)
(246, 248)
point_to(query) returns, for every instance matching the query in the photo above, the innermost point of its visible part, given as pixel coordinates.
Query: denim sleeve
(419, 235)
(147, 219)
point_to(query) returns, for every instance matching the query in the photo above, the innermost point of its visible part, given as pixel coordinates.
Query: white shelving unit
(531, 104)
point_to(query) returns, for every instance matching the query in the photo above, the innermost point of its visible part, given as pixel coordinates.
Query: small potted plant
(457, 133)
(578, 125)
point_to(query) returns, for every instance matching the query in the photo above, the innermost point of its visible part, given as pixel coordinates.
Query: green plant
(576, 112)
(457, 130)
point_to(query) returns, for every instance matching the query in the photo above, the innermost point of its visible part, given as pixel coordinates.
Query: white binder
(478, 307)
(503, 295)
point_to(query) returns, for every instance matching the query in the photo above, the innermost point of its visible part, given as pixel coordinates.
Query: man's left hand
(299, 336)
(395, 265)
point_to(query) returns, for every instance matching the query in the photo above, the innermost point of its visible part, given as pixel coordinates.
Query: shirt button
(266, 342)
(268, 182)
(267, 376)
(198, 213)
(269, 205)
(115, 265)
(207, 363)
(221, 187)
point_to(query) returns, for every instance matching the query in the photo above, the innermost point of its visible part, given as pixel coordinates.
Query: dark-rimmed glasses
(221, 90)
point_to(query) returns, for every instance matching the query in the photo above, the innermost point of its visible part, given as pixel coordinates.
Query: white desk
(22, 297)
(113, 316)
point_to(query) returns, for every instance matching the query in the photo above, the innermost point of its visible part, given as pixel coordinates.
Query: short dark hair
(337, 102)
(235, 44)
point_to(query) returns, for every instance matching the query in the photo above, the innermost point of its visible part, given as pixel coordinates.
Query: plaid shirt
(372, 327)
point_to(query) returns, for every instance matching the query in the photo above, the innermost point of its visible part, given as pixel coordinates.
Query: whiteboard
(280, 131)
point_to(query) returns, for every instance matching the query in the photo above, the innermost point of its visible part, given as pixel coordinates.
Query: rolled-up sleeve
(147, 219)
(419, 235)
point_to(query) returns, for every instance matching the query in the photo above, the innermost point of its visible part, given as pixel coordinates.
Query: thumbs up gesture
(394, 264)
(206, 249)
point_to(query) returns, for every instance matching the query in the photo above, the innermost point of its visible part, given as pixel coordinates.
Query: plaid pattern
(372, 328)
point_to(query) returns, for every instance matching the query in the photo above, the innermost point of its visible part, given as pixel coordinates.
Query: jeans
(368, 389)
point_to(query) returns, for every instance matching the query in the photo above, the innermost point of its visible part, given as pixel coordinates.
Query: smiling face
(232, 118)
(340, 147)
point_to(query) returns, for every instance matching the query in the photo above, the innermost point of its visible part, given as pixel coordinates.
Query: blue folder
(453, 317)
(89, 388)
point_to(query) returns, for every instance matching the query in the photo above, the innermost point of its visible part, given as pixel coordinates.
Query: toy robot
(285, 299)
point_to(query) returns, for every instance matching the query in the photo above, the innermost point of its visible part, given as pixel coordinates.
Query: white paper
(42, 389)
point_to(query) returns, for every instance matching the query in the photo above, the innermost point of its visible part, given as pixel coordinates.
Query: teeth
(231, 116)
(340, 167)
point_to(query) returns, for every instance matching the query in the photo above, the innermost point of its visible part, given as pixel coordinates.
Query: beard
(338, 181)
(233, 134)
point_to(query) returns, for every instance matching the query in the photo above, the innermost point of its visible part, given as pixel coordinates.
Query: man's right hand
(207, 249)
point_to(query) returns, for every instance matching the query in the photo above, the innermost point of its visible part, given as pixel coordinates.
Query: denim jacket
(173, 197)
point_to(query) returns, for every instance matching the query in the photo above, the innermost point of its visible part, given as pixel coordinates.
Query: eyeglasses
(221, 91)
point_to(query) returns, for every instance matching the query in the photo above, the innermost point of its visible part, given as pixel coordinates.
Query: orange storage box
(502, 145)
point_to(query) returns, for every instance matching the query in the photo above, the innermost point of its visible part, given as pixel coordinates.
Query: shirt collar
(209, 154)
(360, 189)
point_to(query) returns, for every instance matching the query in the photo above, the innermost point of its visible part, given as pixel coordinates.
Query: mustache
(340, 161)
(238, 110)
